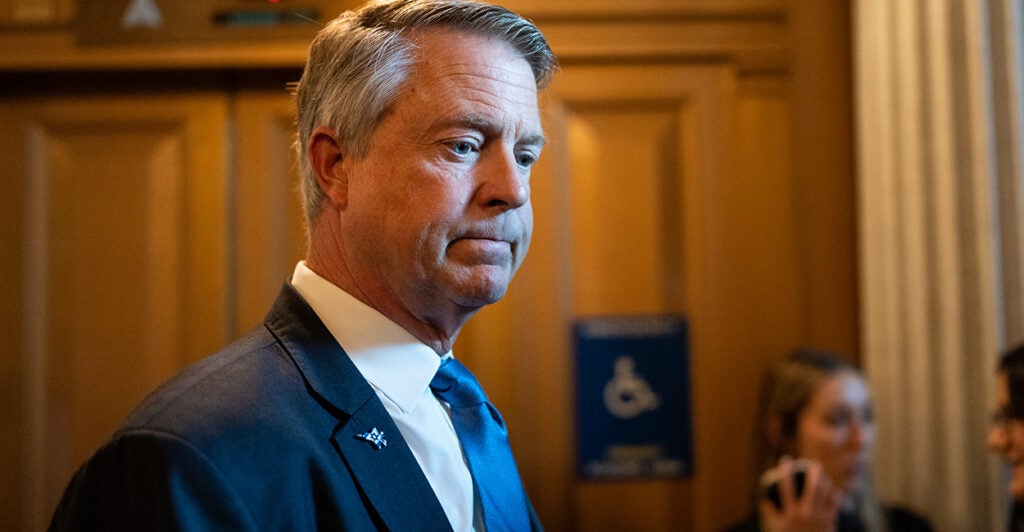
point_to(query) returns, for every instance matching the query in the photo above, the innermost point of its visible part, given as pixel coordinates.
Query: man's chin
(480, 297)
(479, 294)
(480, 286)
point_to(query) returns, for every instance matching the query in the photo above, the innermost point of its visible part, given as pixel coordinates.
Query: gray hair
(358, 62)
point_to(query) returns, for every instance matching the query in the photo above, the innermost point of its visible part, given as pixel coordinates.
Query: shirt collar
(390, 358)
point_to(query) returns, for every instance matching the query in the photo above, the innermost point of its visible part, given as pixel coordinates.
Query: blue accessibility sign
(633, 398)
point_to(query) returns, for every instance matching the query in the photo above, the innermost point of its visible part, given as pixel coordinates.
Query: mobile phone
(769, 484)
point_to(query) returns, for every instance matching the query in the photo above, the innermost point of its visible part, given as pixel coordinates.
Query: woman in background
(816, 418)
(1006, 437)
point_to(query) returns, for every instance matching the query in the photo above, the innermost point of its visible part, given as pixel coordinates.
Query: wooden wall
(700, 163)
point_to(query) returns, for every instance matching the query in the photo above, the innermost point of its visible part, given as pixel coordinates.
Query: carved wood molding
(753, 35)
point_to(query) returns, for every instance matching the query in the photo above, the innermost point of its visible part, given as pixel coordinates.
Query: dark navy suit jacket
(260, 436)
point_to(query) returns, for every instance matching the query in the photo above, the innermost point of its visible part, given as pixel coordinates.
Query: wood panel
(751, 33)
(632, 155)
(627, 7)
(13, 415)
(123, 266)
(625, 179)
(268, 218)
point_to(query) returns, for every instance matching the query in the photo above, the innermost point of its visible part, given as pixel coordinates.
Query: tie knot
(456, 385)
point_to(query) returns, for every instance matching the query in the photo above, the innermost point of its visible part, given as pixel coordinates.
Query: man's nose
(504, 183)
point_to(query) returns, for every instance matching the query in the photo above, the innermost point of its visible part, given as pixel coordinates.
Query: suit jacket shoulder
(262, 435)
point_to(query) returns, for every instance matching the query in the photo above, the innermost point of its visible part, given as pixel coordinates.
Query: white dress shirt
(399, 367)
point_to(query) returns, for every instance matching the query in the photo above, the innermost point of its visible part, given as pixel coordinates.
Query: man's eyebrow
(535, 140)
(482, 123)
(475, 122)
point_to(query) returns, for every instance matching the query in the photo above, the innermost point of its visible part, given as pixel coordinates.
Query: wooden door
(115, 271)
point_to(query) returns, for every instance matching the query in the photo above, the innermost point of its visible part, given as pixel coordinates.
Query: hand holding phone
(798, 495)
(769, 484)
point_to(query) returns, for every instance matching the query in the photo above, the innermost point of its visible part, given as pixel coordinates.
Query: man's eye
(462, 147)
(526, 159)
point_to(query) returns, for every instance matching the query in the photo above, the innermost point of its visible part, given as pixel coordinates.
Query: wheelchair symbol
(627, 394)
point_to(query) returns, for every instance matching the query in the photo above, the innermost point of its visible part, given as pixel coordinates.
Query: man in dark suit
(418, 126)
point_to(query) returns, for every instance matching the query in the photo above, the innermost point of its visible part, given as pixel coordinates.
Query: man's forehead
(473, 96)
(454, 50)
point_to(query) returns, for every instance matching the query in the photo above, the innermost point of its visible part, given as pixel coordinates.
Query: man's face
(1006, 438)
(438, 217)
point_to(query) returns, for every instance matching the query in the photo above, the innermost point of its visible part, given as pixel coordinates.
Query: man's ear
(326, 153)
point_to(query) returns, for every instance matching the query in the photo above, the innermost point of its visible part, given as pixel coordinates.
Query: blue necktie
(485, 443)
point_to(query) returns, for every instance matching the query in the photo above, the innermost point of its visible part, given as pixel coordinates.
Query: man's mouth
(483, 249)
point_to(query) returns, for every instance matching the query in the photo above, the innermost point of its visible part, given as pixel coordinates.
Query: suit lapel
(390, 476)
